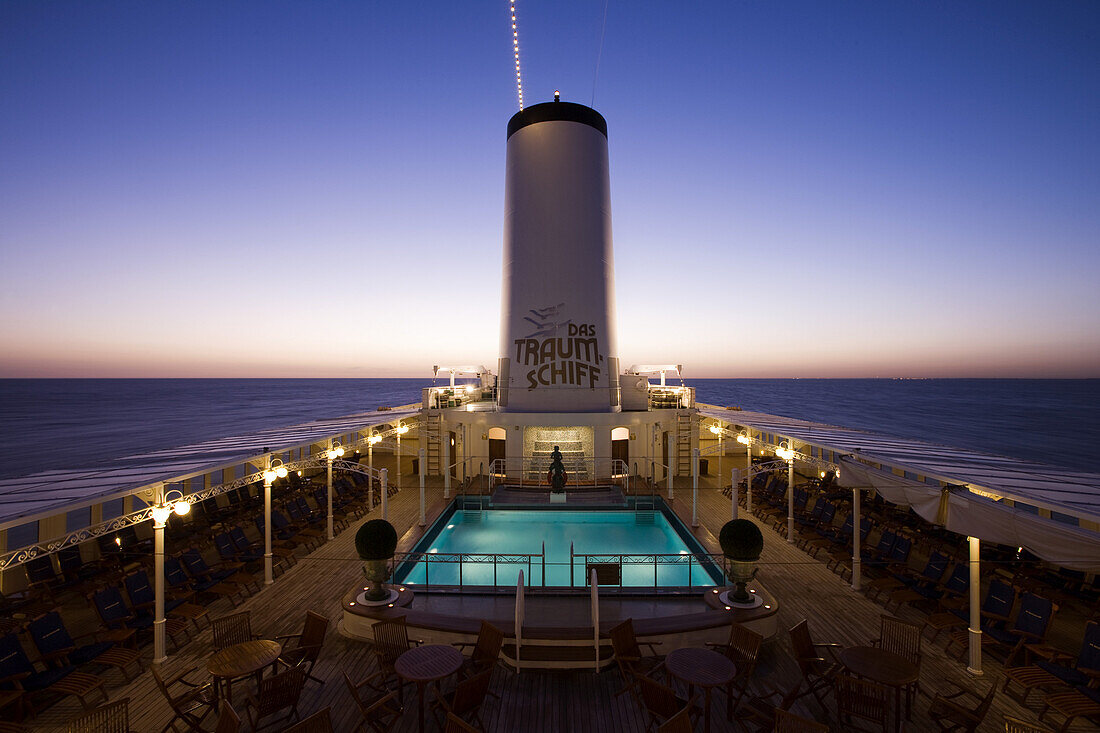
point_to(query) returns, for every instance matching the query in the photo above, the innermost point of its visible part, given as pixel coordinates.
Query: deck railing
(472, 570)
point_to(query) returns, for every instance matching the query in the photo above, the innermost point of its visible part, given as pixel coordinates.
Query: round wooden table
(883, 667)
(426, 664)
(701, 667)
(240, 660)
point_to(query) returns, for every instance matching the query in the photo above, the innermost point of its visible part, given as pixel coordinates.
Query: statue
(741, 543)
(556, 475)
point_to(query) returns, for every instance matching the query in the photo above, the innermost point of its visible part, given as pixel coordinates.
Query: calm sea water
(72, 423)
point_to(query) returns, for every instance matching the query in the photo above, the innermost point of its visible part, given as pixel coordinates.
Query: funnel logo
(559, 351)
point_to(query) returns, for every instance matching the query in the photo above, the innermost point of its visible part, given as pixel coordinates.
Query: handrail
(480, 558)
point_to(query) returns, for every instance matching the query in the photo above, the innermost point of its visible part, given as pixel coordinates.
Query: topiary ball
(376, 540)
(741, 540)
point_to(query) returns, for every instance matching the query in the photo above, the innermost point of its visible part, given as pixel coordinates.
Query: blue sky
(316, 189)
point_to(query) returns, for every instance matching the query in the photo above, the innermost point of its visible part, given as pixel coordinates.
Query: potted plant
(742, 544)
(376, 542)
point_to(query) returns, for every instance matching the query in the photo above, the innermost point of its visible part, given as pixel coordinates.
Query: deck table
(427, 664)
(884, 667)
(702, 668)
(241, 660)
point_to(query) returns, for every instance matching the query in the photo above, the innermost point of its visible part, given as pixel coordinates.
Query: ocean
(76, 423)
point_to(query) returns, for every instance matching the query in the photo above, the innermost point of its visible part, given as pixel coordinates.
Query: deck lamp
(179, 505)
(374, 439)
(160, 513)
(744, 439)
(335, 452)
(715, 429)
(402, 429)
(784, 451)
(275, 471)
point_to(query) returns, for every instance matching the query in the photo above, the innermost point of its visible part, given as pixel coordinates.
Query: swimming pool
(489, 547)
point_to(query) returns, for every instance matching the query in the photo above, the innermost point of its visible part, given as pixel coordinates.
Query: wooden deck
(538, 701)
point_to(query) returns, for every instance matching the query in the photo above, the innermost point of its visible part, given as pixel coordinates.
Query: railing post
(544, 564)
(427, 564)
(494, 571)
(570, 564)
(460, 571)
(690, 557)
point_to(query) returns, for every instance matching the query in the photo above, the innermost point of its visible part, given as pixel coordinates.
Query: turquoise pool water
(459, 553)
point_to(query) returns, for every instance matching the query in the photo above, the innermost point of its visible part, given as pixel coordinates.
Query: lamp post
(423, 471)
(745, 440)
(271, 473)
(335, 450)
(161, 509)
(385, 494)
(695, 488)
(370, 467)
(974, 665)
(857, 539)
(785, 452)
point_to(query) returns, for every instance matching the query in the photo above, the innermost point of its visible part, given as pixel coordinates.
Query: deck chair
(56, 647)
(275, 694)
(235, 628)
(176, 611)
(1071, 705)
(788, 722)
(319, 722)
(659, 702)
(1015, 725)
(467, 699)
(115, 614)
(391, 640)
(961, 708)
(861, 699)
(228, 720)
(486, 650)
(1000, 598)
(1084, 670)
(904, 639)
(191, 703)
(380, 710)
(742, 647)
(17, 671)
(1030, 627)
(114, 717)
(817, 670)
(307, 646)
(629, 657)
(678, 723)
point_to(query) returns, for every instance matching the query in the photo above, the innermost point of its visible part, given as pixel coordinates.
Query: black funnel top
(553, 111)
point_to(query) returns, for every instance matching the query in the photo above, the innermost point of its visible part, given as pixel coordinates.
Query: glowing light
(351, 603)
(281, 472)
(269, 477)
(182, 508)
(160, 513)
(515, 49)
(728, 608)
(374, 439)
(118, 540)
(715, 429)
(744, 439)
(402, 429)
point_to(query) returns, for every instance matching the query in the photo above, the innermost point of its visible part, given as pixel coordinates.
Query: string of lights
(515, 51)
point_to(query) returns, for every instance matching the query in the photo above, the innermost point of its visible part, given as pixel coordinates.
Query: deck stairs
(685, 426)
(434, 440)
(557, 653)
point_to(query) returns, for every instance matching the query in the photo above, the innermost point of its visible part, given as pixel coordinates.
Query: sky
(799, 189)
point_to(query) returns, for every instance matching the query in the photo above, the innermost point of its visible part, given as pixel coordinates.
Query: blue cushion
(89, 652)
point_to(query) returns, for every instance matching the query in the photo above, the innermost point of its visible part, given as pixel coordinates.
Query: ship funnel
(558, 349)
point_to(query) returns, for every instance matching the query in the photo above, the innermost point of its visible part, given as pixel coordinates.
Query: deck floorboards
(541, 701)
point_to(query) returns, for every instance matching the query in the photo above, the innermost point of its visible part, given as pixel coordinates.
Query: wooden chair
(678, 723)
(192, 704)
(380, 711)
(659, 702)
(486, 651)
(468, 697)
(863, 699)
(228, 720)
(951, 712)
(235, 628)
(275, 694)
(391, 640)
(114, 717)
(629, 657)
(1015, 725)
(319, 722)
(904, 639)
(788, 722)
(742, 647)
(16, 670)
(56, 646)
(1071, 705)
(817, 670)
(308, 646)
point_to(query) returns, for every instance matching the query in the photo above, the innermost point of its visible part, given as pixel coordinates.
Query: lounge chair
(17, 671)
(56, 646)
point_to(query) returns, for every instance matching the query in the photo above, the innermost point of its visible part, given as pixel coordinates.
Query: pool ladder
(644, 511)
